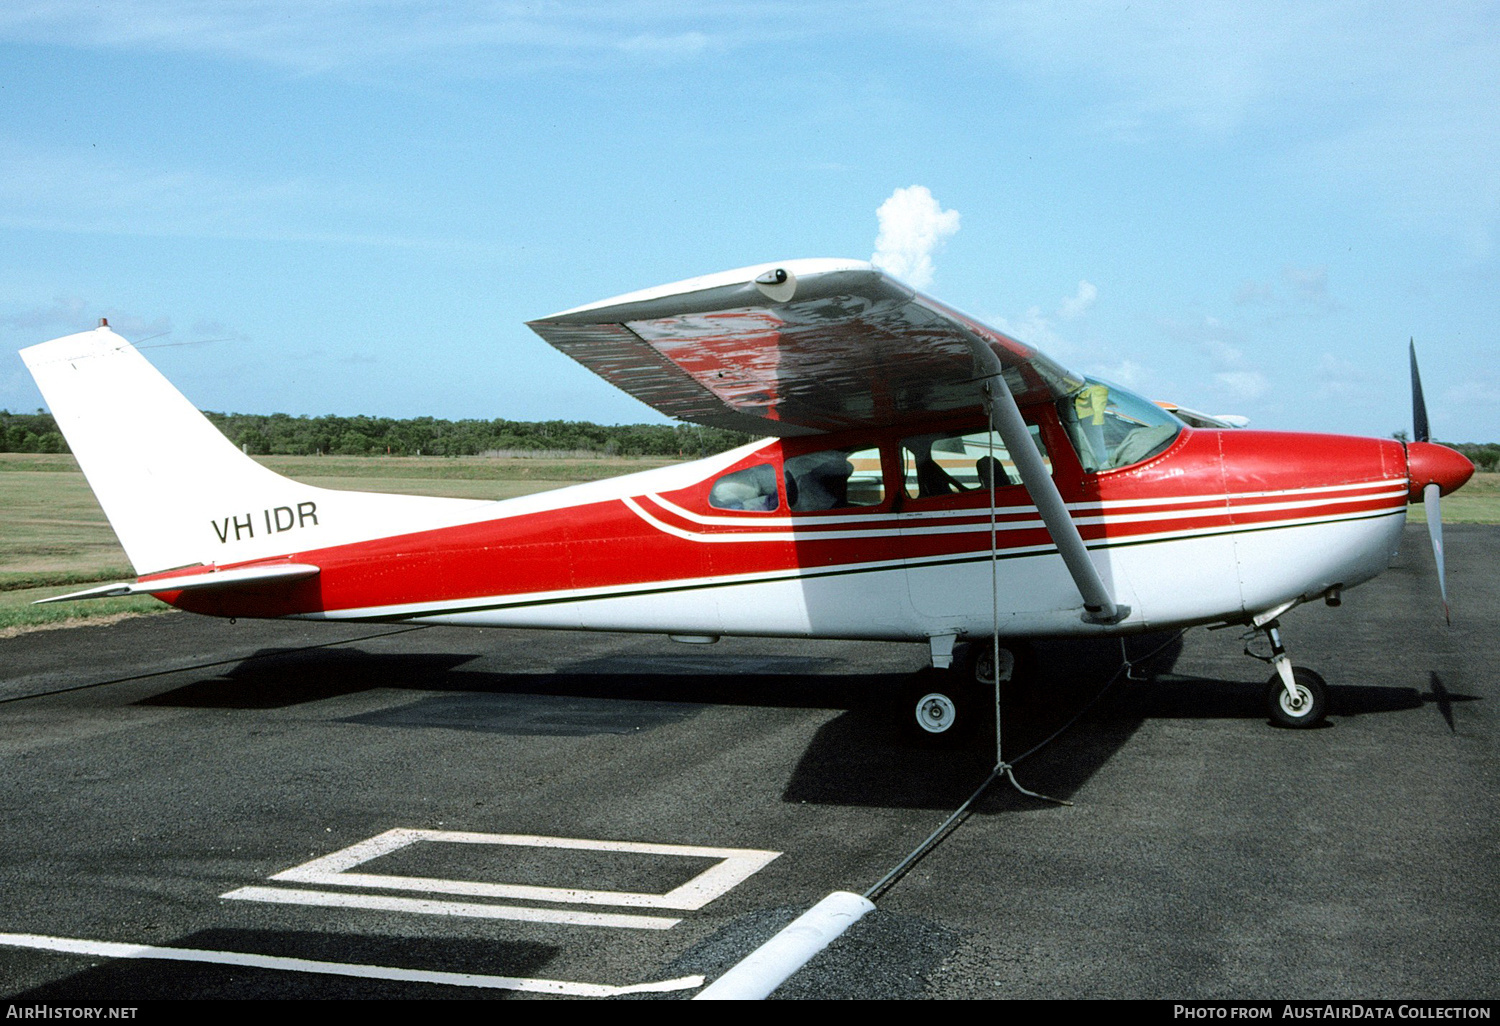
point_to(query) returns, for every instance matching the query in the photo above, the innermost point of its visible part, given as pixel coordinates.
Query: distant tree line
(283, 435)
(1484, 455)
(30, 432)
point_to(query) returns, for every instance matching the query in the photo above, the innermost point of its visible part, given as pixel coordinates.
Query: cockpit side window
(834, 479)
(1112, 428)
(752, 489)
(949, 463)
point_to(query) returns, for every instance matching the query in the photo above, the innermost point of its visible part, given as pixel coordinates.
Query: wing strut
(1098, 604)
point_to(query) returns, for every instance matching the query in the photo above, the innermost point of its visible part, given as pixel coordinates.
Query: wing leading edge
(797, 347)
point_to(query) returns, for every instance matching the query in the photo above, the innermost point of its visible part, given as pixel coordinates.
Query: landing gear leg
(1296, 697)
(950, 704)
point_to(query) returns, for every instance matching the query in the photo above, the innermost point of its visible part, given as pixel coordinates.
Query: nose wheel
(1305, 704)
(1296, 697)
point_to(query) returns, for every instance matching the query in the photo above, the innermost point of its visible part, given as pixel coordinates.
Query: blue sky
(353, 207)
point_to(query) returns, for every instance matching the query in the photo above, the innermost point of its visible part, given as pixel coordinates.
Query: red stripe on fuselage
(1208, 482)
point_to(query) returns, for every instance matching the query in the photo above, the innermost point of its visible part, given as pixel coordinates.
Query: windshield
(1111, 427)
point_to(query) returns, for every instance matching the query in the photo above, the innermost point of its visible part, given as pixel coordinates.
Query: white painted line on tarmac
(736, 865)
(111, 949)
(472, 910)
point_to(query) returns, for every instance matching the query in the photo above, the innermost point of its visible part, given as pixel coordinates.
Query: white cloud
(1077, 305)
(912, 226)
(1127, 372)
(1385, 105)
(1231, 374)
(1480, 392)
(1040, 329)
(1245, 386)
(1309, 288)
(71, 313)
(357, 37)
(64, 312)
(1035, 329)
(682, 44)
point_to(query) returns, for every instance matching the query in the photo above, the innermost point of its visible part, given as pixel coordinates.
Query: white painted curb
(769, 966)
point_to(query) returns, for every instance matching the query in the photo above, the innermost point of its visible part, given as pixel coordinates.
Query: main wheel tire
(1308, 708)
(940, 709)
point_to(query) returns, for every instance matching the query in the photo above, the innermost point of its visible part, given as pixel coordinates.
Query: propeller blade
(1430, 502)
(1419, 432)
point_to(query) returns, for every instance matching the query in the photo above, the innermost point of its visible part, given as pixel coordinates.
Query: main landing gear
(1296, 697)
(946, 707)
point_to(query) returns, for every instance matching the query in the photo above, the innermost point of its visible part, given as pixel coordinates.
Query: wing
(798, 347)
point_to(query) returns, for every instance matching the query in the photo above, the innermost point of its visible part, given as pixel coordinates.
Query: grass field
(1477, 502)
(54, 538)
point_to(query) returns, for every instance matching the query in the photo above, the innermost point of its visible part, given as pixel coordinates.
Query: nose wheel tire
(1306, 707)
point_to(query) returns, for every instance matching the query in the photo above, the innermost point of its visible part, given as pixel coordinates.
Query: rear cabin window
(952, 463)
(834, 479)
(753, 488)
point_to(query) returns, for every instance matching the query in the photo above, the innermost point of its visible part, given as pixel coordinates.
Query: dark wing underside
(794, 348)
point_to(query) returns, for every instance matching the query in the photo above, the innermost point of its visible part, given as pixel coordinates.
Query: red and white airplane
(930, 479)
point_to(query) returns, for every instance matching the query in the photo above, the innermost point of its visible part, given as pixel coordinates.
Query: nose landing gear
(1296, 697)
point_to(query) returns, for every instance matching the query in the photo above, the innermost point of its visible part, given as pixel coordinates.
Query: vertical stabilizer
(175, 490)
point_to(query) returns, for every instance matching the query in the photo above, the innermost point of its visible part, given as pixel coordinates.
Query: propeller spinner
(1432, 471)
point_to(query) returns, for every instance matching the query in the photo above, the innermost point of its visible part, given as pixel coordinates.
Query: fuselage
(899, 543)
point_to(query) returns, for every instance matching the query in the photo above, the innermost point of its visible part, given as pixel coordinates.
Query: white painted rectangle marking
(467, 909)
(113, 949)
(735, 866)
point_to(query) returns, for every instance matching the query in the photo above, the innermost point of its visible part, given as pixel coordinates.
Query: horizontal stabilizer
(213, 579)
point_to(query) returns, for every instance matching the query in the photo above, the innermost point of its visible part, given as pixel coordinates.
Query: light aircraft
(928, 479)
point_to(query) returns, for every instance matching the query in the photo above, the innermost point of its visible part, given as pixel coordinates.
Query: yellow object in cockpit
(1090, 403)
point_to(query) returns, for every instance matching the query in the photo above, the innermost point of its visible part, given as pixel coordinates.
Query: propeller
(1419, 459)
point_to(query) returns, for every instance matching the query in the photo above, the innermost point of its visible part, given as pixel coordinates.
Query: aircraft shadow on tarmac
(860, 757)
(152, 980)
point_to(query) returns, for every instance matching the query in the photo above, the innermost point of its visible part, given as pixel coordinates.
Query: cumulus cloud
(1235, 378)
(1077, 304)
(1039, 328)
(912, 227)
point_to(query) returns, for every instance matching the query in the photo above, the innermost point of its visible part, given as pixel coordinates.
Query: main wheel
(939, 709)
(1306, 708)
